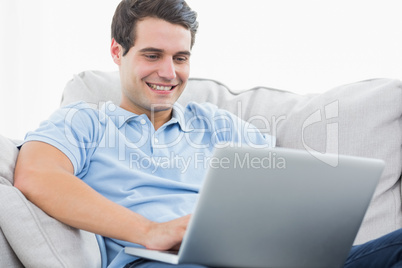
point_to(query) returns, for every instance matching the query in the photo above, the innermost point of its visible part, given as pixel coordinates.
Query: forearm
(45, 176)
(71, 201)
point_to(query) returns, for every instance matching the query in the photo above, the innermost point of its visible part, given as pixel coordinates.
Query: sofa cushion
(41, 241)
(361, 119)
(31, 235)
(8, 257)
(8, 156)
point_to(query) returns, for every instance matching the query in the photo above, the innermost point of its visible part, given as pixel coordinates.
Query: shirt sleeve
(75, 130)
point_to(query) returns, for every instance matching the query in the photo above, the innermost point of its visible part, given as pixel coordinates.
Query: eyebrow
(157, 50)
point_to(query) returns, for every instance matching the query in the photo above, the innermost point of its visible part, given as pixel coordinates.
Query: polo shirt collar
(178, 116)
(121, 116)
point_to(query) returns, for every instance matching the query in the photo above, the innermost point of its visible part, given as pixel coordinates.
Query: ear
(116, 50)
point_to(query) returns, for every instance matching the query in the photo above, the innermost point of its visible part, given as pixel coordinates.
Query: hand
(167, 235)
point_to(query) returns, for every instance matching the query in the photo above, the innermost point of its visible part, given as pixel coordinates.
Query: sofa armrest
(8, 257)
(31, 238)
(38, 240)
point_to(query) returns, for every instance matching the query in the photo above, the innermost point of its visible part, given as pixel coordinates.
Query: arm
(45, 176)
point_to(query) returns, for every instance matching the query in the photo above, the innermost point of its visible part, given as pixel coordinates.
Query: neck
(157, 118)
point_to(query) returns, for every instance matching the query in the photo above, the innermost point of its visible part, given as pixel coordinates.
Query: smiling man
(97, 170)
(131, 173)
(154, 72)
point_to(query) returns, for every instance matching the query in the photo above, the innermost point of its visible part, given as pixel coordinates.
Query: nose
(167, 69)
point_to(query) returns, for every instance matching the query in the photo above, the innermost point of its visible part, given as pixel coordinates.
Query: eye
(181, 59)
(151, 57)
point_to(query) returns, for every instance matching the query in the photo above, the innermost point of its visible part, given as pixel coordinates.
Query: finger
(176, 247)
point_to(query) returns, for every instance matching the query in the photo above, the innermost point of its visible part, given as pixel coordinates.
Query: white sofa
(362, 118)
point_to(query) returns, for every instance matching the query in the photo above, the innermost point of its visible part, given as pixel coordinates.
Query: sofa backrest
(361, 119)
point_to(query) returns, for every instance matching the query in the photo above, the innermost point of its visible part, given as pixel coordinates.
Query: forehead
(158, 33)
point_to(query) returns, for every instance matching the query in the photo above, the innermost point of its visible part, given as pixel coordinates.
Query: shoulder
(80, 114)
(79, 109)
(205, 109)
(227, 126)
(79, 119)
(210, 116)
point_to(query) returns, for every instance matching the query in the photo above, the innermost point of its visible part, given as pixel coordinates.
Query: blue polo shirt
(154, 173)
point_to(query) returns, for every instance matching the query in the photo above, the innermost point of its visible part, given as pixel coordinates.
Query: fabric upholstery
(31, 238)
(8, 156)
(361, 119)
(8, 257)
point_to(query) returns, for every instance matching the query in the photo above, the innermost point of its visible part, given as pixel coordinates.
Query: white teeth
(163, 88)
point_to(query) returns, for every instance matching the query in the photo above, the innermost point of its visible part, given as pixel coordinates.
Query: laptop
(275, 208)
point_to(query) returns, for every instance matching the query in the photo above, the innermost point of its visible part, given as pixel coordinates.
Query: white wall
(302, 46)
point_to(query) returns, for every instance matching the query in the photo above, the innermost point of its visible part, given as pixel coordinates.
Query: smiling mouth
(160, 87)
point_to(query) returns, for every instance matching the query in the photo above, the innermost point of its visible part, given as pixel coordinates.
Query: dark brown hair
(129, 12)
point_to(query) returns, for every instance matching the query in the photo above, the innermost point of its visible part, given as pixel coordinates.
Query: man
(112, 171)
(98, 170)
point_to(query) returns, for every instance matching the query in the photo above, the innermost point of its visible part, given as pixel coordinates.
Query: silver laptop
(276, 208)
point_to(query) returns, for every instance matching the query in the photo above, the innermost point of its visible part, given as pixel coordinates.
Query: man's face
(155, 70)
